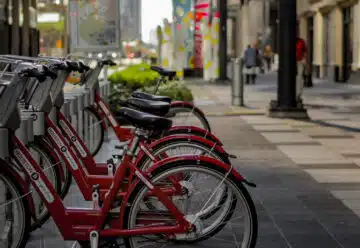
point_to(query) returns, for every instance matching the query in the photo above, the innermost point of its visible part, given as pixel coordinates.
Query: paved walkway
(308, 173)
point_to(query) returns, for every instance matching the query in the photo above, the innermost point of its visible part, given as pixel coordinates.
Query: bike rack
(65, 109)
(73, 103)
(23, 133)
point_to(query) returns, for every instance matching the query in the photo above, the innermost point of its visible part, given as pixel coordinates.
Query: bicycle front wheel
(14, 215)
(234, 225)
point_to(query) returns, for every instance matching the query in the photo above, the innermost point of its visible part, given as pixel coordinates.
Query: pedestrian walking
(268, 57)
(251, 64)
(301, 65)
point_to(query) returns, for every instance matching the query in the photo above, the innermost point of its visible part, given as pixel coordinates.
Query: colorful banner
(183, 19)
(201, 11)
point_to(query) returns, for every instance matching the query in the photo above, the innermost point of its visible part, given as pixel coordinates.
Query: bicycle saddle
(145, 121)
(164, 72)
(151, 107)
(150, 97)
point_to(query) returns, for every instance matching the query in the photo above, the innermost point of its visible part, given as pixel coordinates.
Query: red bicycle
(147, 156)
(154, 206)
(101, 114)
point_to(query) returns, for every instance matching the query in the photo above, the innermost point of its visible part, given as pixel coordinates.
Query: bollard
(237, 86)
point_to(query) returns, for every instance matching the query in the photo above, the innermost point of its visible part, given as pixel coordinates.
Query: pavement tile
(307, 154)
(288, 138)
(335, 176)
(274, 128)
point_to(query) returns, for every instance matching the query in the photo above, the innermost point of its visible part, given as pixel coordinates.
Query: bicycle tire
(196, 143)
(11, 181)
(221, 156)
(65, 187)
(57, 184)
(196, 112)
(181, 166)
(95, 115)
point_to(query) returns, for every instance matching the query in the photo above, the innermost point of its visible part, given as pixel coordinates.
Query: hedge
(141, 77)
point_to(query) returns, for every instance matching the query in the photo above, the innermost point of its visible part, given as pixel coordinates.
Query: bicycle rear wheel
(14, 213)
(184, 114)
(96, 134)
(206, 231)
(51, 170)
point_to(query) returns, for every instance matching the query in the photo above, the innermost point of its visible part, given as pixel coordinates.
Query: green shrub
(135, 77)
(176, 90)
(141, 77)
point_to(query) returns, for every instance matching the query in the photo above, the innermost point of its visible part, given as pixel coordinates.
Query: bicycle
(101, 112)
(93, 227)
(177, 107)
(86, 183)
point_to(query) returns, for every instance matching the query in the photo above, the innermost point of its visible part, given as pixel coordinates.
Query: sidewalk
(325, 101)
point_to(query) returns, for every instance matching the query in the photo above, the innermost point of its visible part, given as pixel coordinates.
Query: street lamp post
(286, 105)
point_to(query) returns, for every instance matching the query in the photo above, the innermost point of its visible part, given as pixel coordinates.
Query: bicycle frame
(124, 134)
(145, 148)
(76, 224)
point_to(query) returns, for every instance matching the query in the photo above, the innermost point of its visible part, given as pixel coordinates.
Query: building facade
(331, 28)
(130, 22)
(250, 22)
(18, 27)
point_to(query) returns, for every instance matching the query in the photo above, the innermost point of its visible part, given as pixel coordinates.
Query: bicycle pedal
(95, 197)
(94, 239)
(111, 167)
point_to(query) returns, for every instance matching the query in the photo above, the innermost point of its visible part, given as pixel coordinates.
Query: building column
(239, 37)
(286, 105)
(318, 50)
(338, 43)
(244, 27)
(256, 19)
(25, 42)
(15, 34)
(356, 43)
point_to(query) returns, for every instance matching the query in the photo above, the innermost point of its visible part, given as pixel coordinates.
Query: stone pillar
(15, 34)
(318, 50)
(25, 43)
(338, 28)
(356, 43)
(244, 28)
(239, 37)
(256, 19)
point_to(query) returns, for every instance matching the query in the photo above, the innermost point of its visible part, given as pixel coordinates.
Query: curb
(240, 113)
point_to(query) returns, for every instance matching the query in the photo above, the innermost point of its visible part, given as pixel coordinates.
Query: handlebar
(48, 72)
(108, 62)
(33, 72)
(60, 66)
(83, 66)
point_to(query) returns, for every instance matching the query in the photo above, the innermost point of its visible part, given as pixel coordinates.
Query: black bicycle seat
(145, 121)
(151, 107)
(164, 72)
(147, 96)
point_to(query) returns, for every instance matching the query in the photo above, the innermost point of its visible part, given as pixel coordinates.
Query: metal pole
(286, 94)
(237, 85)
(222, 7)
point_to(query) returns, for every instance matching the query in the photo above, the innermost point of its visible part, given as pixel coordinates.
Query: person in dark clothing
(250, 64)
